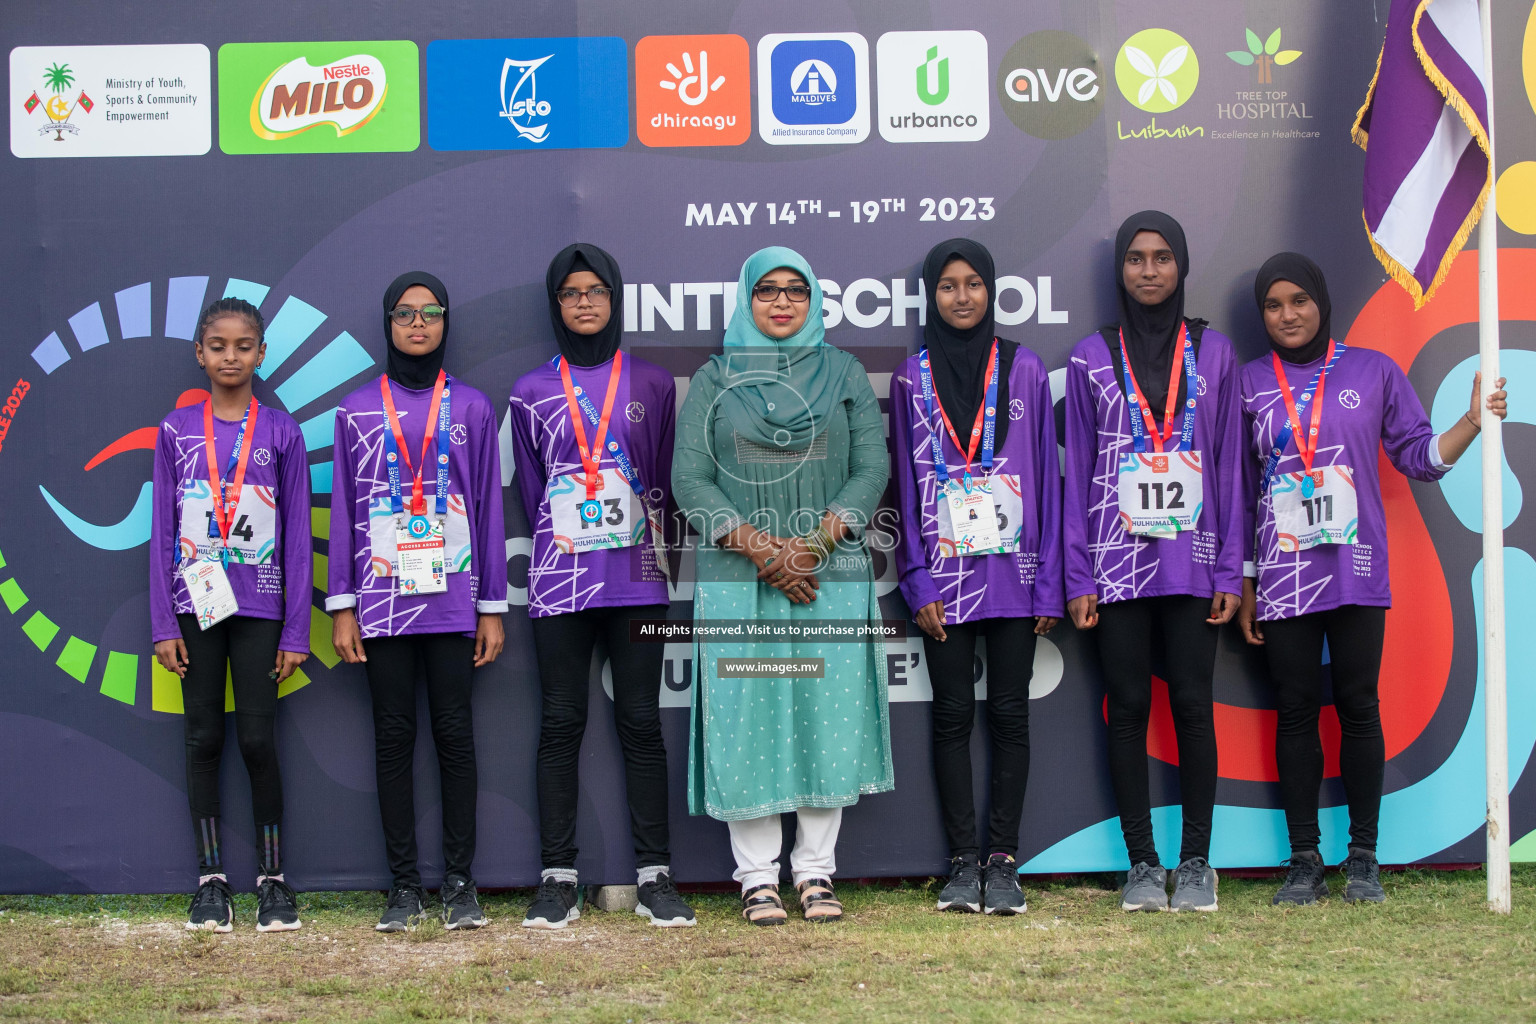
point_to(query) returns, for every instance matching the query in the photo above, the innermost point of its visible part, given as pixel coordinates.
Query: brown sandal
(761, 906)
(817, 902)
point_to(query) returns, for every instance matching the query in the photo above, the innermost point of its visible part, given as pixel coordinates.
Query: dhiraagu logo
(1157, 70)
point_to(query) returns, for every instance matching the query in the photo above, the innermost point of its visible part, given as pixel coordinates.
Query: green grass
(1431, 953)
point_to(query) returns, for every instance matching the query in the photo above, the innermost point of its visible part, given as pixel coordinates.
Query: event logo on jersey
(933, 86)
(692, 90)
(343, 95)
(558, 93)
(812, 89)
(1050, 85)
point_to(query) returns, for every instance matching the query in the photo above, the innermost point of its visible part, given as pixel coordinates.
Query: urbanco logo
(1050, 84)
(693, 90)
(932, 86)
(1157, 70)
(812, 89)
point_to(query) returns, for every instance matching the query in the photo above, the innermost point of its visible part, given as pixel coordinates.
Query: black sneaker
(554, 905)
(1362, 877)
(461, 905)
(962, 893)
(664, 905)
(211, 908)
(1304, 883)
(404, 910)
(276, 908)
(1003, 894)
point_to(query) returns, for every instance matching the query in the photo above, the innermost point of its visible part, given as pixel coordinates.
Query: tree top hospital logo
(1157, 70)
(556, 93)
(344, 97)
(1050, 85)
(693, 90)
(932, 86)
(74, 584)
(1263, 56)
(812, 89)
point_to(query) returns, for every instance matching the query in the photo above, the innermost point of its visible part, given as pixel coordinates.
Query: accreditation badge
(420, 555)
(213, 599)
(973, 517)
(1160, 493)
(1315, 507)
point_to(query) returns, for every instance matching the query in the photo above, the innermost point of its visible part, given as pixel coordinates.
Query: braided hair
(230, 306)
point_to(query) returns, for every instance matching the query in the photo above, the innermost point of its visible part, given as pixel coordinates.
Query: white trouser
(757, 842)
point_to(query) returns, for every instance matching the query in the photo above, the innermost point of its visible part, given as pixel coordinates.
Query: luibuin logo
(58, 79)
(1157, 70)
(298, 96)
(933, 78)
(1263, 57)
(521, 106)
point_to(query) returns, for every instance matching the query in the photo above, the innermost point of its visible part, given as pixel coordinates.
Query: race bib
(213, 600)
(1160, 492)
(252, 536)
(419, 556)
(1316, 507)
(382, 537)
(1007, 507)
(612, 518)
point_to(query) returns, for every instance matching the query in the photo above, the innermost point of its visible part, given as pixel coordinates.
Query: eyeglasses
(404, 315)
(598, 296)
(771, 292)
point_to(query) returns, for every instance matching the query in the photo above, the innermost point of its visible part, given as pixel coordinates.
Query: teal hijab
(777, 392)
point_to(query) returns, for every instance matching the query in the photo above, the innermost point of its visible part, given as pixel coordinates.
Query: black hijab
(1151, 332)
(586, 349)
(1308, 276)
(958, 357)
(414, 372)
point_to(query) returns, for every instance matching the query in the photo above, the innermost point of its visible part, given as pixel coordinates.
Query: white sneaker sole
(542, 924)
(212, 926)
(963, 908)
(474, 922)
(1131, 908)
(1008, 911)
(1208, 909)
(280, 926)
(676, 922)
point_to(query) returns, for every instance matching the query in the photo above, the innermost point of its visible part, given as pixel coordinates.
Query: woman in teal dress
(780, 461)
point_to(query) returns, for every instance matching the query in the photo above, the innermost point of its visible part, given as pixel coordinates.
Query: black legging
(249, 648)
(951, 669)
(564, 645)
(1294, 648)
(393, 666)
(1126, 633)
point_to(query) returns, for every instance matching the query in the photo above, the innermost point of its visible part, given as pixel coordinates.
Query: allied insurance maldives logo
(347, 97)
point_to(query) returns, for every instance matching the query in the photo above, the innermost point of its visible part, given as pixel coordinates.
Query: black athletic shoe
(211, 908)
(664, 905)
(276, 908)
(461, 905)
(1000, 885)
(962, 892)
(554, 905)
(404, 910)
(1304, 883)
(1362, 877)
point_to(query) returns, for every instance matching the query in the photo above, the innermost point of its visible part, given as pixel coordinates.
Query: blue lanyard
(626, 468)
(1191, 380)
(392, 454)
(1283, 438)
(939, 426)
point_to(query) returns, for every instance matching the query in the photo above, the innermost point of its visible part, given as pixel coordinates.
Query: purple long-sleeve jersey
(272, 517)
(1368, 405)
(544, 447)
(360, 497)
(1026, 482)
(1101, 557)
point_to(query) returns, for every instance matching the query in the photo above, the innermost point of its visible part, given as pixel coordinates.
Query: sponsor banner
(812, 89)
(111, 101)
(693, 91)
(1264, 102)
(1050, 85)
(528, 93)
(344, 97)
(933, 86)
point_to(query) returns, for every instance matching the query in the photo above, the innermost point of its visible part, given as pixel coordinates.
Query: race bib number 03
(382, 536)
(1160, 492)
(1008, 517)
(252, 536)
(1316, 507)
(612, 518)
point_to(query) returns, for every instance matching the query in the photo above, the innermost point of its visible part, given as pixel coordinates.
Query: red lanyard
(224, 507)
(589, 462)
(1158, 439)
(418, 502)
(1306, 444)
(970, 452)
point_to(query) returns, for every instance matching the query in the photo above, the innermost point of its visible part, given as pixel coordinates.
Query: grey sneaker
(1146, 888)
(1304, 882)
(962, 892)
(461, 905)
(1194, 886)
(1000, 886)
(1362, 877)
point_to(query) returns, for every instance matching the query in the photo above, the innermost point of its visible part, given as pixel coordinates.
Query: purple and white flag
(1424, 131)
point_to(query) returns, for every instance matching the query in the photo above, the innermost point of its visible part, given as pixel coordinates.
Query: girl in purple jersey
(1152, 530)
(590, 578)
(418, 580)
(1316, 415)
(235, 511)
(986, 404)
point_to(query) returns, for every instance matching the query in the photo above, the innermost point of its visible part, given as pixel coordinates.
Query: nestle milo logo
(344, 95)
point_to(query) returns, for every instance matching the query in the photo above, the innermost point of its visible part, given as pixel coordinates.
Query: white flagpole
(1496, 718)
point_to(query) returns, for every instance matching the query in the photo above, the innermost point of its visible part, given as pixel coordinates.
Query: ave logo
(1050, 85)
(933, 86)
(812, 89)
(693, 90)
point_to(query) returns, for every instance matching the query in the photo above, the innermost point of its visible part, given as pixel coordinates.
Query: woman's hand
(1464, 431)
(346, 638)
(792, 558)
(1498, 402)
(1248, 616)
(490, 636)
(930, 619)
(172, 655)
(287, 662)
(1084, 611)
(1223, 607)
(1045, 623)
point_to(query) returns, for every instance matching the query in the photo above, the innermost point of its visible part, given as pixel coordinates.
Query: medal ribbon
(983, 431)
(395, 450)
(1141, 430)
(1306, 445)
(626, 467)
(226, 503)
(590, 462)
